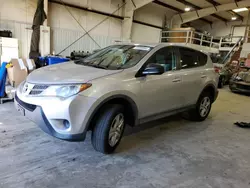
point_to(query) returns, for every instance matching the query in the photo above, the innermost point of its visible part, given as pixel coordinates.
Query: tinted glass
(202, 58)
(164, 57)
(116, 57)
(191, 58)
(218, 57)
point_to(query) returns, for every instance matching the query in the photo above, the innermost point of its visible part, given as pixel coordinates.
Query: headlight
(64, 91)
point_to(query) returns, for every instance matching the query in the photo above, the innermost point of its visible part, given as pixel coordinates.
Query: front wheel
(202, 109)
(109, 129)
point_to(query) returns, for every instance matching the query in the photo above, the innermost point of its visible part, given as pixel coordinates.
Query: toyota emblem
(25, 88)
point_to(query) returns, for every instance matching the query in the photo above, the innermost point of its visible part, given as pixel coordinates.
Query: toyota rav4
(125, 84)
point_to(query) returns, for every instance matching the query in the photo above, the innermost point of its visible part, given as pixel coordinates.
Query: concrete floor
(168, 153)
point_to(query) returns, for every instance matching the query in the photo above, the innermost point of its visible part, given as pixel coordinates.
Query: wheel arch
(211, 89)
(129, 104)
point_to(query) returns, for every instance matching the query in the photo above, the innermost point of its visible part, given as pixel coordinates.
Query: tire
(197, 114)
(221, 82)
(106, 125)
(231, 88)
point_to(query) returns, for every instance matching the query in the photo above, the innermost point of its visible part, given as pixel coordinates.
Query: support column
(44, 43)
(45, 23)
(129, 9)
(127, 25)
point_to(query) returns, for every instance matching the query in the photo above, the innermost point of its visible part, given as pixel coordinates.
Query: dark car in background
(240, 82)
(224, 70)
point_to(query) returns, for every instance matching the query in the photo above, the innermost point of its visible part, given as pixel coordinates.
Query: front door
(160, 93)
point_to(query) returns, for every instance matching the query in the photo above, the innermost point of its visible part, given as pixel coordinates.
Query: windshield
(116, 57)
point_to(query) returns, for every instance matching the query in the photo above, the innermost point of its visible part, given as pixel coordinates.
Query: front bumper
(239, 87)
(36, 114)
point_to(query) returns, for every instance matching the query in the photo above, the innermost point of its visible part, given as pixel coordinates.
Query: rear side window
(190, 58)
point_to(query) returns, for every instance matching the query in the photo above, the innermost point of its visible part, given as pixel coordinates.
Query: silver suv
(125, 84)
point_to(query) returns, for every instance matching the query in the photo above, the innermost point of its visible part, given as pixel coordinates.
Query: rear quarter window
(190, 58)
(202, 58)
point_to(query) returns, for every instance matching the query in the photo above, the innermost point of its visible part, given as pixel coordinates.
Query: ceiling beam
(191, 5)
(229, 11)
(196, 14)
(177, 9)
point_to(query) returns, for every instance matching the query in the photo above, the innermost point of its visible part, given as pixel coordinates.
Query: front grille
(35, 92)
(27, 106)
(245, 87)
(38, 89)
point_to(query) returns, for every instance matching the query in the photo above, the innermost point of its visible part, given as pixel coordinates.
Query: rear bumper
(35, 113)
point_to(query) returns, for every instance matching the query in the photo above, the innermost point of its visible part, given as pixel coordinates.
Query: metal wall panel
(22, 32)
(60, 38)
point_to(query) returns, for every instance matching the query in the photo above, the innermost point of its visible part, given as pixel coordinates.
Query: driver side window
(165, 57)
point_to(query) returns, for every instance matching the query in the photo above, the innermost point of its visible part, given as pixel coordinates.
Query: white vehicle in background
(123, 84)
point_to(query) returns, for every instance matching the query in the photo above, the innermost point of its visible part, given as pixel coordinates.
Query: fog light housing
(61, 124)
(66, 124)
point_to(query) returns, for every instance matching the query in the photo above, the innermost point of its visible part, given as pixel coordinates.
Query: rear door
(193, 73)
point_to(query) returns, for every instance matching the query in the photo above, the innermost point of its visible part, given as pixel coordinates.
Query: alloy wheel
(116, 129)
(205, 106)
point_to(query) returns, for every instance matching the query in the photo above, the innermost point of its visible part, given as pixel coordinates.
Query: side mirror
(153, 69)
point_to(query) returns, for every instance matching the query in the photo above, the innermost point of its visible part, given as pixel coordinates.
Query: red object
(217, 69)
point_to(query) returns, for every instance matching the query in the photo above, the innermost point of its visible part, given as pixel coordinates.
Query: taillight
(216, 69)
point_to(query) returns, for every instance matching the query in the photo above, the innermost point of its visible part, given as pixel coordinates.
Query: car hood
(67, 73)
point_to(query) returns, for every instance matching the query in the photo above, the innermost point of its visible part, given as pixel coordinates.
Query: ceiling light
(187, 9)
(234, 18)
(240, 9)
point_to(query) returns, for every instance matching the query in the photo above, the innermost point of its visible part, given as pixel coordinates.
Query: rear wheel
(109, 129)
(202, 109)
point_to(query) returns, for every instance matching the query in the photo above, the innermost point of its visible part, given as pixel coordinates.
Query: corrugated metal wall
(21, 31)
(60, 38)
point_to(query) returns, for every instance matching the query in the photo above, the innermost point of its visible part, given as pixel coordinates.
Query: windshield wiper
(80, 61)
(97, 66)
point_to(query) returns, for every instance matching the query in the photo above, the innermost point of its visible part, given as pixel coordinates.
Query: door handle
(176, 80)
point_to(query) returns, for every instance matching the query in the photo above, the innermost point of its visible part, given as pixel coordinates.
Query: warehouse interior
(51, 79)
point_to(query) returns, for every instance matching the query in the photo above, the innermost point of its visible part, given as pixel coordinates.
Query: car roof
(139, 44)
(188, 45)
